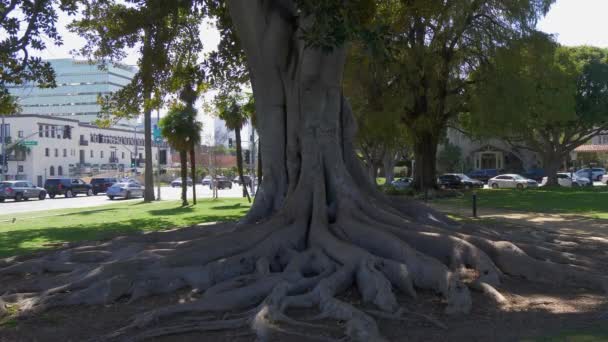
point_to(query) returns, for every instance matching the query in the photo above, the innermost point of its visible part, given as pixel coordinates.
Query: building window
(91, 153)
(20, 134)
(56, 152)
(46, 152)
(52, 131)
(123, 155)
(40, 134)
(65, 152)
(46, 131)
(52, 171)
(100, 154)
(19, 168)
(59, 171)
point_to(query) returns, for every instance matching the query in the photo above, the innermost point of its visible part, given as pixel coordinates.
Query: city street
(82, 201)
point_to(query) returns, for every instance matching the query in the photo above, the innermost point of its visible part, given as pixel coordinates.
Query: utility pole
(3, 165)
(158, 142)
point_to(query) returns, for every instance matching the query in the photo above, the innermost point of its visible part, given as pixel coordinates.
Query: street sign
(29, 143)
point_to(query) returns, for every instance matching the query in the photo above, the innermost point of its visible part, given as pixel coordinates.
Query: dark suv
(102, 184)
(69, 187)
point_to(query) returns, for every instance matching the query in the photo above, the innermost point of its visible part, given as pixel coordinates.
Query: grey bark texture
(317, 227)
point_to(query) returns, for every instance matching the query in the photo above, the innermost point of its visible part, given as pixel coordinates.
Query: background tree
(235, 114)
(542, 97)
(369, 85)
(318, 226)
(449, 158)
(177, 127)
(110, 29)
(438, 45)
(27, 26)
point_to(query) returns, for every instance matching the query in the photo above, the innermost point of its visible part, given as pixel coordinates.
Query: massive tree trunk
(425, 156)
(193, 172)
(183, 159)
(317, 227)
(239, 161)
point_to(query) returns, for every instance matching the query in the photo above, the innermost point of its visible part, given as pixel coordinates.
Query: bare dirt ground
(533, 309)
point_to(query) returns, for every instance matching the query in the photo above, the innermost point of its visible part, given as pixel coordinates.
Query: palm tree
(234, 115)
(179, 126)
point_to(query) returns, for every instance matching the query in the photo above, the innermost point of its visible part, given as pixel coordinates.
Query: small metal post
(475, 204)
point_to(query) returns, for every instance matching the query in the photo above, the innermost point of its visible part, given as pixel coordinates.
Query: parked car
(125, 190)
(221, 183)
(597, 173)
(100, 185)
(20, 190)
(402, 183)
(512, 181)
(69, 187)
(564, 179)
(178, 182)
(206, 180)
(605, 179)
(458, 181)
(483, 175)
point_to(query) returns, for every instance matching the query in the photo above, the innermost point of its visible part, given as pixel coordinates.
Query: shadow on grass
(89, 212)
(228, 207)
(171, 211)
(27, 241)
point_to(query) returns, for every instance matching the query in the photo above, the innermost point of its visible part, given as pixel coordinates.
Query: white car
(564, 179)
(605, 179)
(596, 173)
(511, 181)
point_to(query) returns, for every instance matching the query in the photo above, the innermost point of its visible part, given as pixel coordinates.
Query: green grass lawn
(380, 180)
(585, 201)
(39, 230)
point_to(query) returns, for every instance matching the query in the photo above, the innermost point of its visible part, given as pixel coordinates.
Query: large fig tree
(317, 227)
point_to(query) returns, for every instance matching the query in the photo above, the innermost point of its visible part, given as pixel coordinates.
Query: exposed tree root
(253, 275)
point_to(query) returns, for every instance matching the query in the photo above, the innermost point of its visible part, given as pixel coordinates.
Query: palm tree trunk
(183, 159)
(239, 162)
(193, 171)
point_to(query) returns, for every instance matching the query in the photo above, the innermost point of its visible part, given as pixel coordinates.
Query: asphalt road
(82, 201)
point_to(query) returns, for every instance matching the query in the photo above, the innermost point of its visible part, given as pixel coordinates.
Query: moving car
(69, 187)
(102, 184)
(206, 180)
(402, 183)
(458, 181)
(20, 190)
(564, 179)
(221, 183)
(126, 190)
(178, 182)
(483, 175)
(511, 181)
(597, 173)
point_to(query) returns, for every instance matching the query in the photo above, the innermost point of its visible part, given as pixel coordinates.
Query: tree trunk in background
(239, 162)
(183, 159)
(147, 95)
(259, 155)
(552, 162)
(425, 166)
(193, 171)
(388, 163)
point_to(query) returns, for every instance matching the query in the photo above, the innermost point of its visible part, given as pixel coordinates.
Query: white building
(58, 146)
(79, 83)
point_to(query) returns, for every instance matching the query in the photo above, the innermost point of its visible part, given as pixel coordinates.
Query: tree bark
(239, 162)
(193, 172)
(425, 156)
(183, 159)
(147, 95)
(552, 162)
